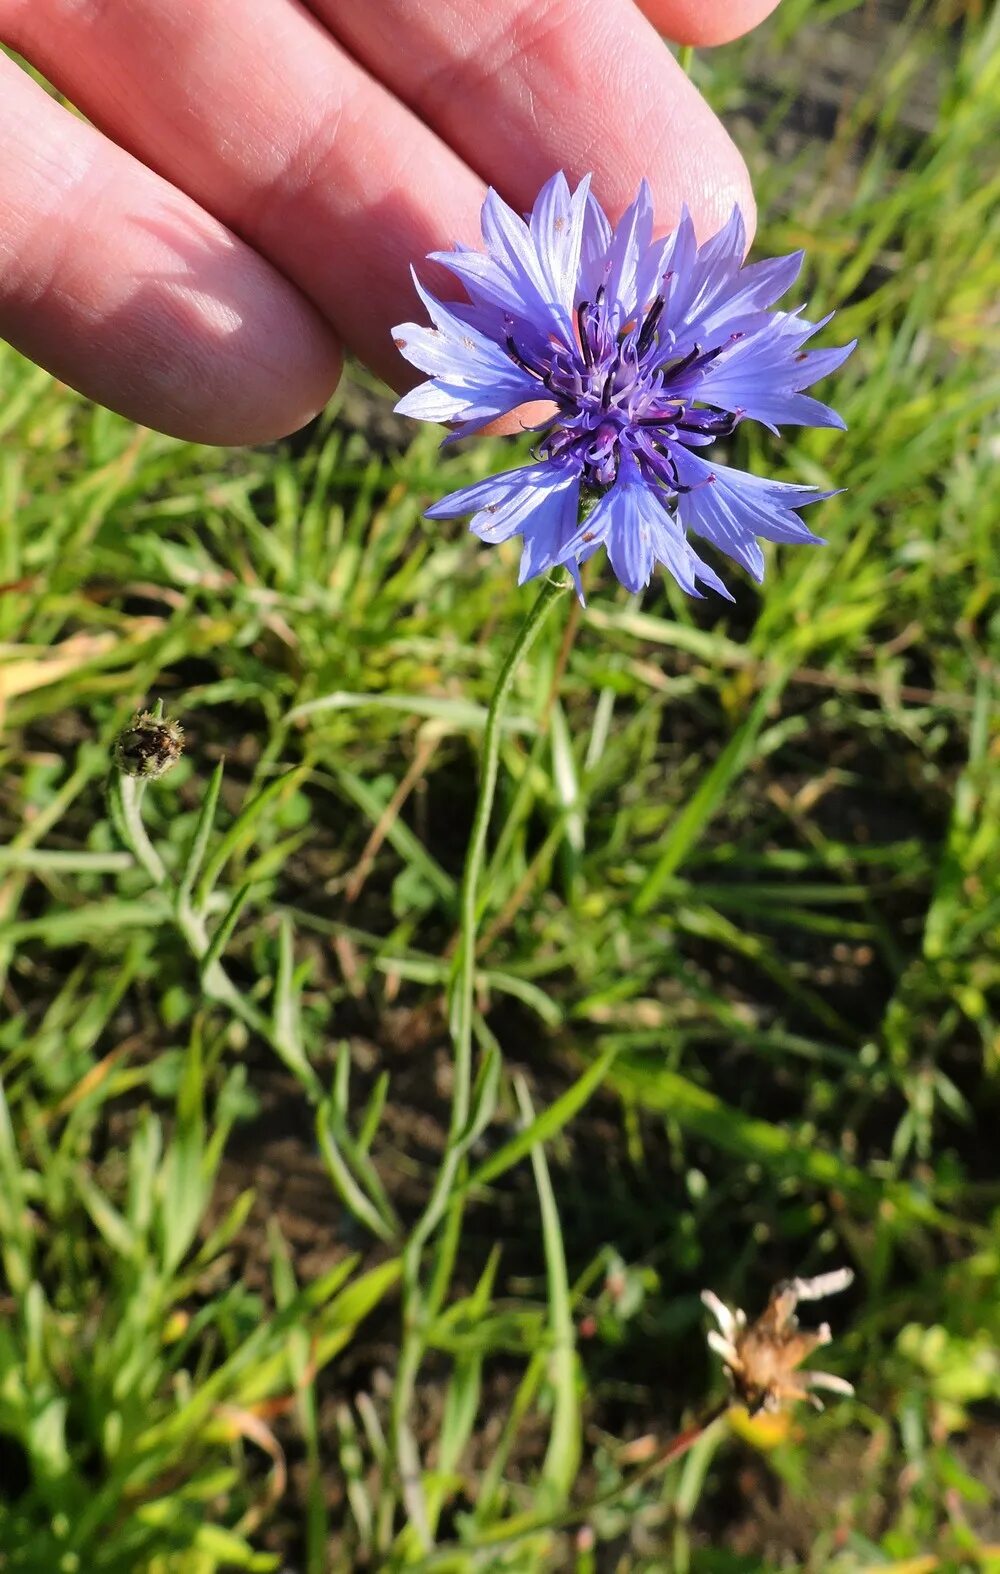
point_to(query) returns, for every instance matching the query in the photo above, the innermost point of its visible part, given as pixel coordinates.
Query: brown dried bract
(762, 1359)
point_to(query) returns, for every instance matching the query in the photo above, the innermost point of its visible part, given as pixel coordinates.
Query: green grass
(736, 992)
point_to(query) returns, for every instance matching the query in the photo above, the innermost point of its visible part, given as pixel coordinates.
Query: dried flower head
(762, 1358)
(645, 351)
(150, 746)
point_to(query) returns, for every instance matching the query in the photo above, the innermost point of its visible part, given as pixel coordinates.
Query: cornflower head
(150, 745)
(645, 352)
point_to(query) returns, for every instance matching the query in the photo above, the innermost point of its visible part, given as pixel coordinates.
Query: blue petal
(473, 379)
(738, 305)
(556, 227)
(594, 245)
(444, 403)
(679, 558)
(491, 499)
(552, 523)
(633, 523)
(761, 375)
(486, 283)
(731, 508)
(430, 402)
(700, 277)
(629, 248)
(513, 278)
(675, 262)
(530, 273)
(760, 284)
(540, 502)
(721, 257)
(627, 533)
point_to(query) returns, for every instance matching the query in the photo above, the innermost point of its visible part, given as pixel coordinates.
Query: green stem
(685, 58)
(420, 1308)
(127, 794)
(463, 989)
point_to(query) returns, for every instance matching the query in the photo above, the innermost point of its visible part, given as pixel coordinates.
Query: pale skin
(258, 175)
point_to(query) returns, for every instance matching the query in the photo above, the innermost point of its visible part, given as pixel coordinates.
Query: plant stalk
(419, 1309)
(463, 985)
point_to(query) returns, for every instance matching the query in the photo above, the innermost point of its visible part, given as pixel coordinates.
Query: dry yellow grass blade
(27, 667)
(24, 668)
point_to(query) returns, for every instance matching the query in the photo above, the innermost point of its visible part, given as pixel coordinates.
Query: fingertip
(227, 357)
(727, 186)
(249, 368)
(692, 162)
(706, 23)
(706, 172)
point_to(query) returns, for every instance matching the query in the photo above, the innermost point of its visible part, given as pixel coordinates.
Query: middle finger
(521, 88)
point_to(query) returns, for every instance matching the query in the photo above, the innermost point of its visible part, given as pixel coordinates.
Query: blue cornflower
(646, 351)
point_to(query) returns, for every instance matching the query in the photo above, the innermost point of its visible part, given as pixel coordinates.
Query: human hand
(264, 174)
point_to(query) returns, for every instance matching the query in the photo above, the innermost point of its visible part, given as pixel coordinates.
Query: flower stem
(421, 1304)
(685, 58)
(127, 794)
(463, 979)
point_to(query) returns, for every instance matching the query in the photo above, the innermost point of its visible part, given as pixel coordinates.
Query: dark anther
(585, 344)
(515, 355)
(688, 360)
(722, 424)
(609, 382)
(678, 486)
(648, 329)
(666, 417)
(706, 357)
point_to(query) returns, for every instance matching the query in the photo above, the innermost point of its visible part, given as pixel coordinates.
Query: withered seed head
(150, 746)
(762, 1358)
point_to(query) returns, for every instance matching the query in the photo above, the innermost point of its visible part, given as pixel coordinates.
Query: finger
(260, 116)
(522, 88)
(265, 120)
(705, 22)
(123, 287)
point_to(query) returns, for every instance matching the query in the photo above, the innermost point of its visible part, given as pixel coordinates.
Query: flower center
(616, 393)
